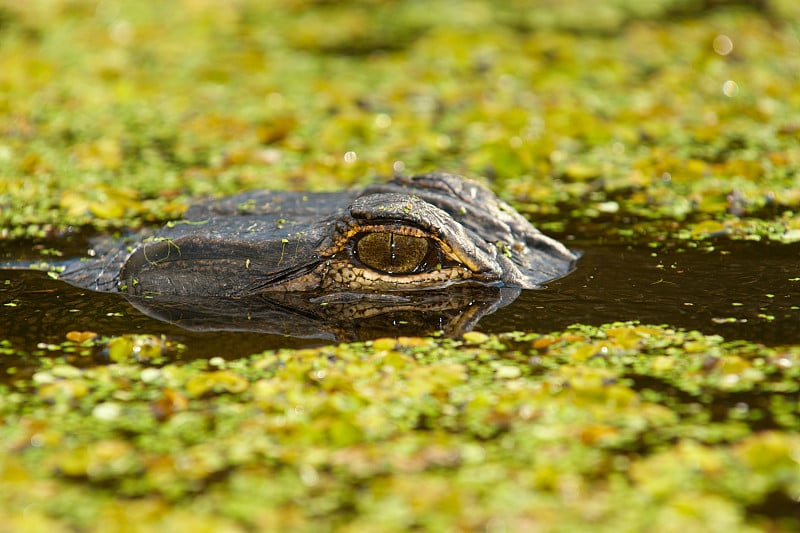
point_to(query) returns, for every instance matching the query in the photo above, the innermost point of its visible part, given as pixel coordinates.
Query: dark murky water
(741, 290)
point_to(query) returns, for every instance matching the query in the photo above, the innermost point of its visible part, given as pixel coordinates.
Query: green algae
(442, 434)
(660, 123)
(653, 116)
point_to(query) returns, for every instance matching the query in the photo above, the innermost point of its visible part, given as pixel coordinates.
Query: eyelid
(422, 218)
(397, 229)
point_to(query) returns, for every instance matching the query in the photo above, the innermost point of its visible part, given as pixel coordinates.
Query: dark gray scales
(261, 242)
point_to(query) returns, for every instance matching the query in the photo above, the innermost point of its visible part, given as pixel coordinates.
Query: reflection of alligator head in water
(336, 316)
(426, 232)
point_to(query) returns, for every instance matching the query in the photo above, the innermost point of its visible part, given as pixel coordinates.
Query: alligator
(428, 231)
(433, 252)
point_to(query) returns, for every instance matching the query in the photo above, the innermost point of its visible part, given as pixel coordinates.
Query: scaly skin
(282, 241)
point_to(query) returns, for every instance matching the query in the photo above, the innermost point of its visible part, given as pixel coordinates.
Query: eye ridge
(396, 253)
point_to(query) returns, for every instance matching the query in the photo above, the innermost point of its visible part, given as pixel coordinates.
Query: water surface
(740, 290)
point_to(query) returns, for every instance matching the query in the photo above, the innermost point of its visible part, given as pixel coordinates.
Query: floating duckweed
(221, 381)
(149, 375)
(141, 348)
(533, 409)
(63, 390)
(507, 372)
(475, 337)
(384, 344)
(654, 123)
(107, 411)
(81, 336)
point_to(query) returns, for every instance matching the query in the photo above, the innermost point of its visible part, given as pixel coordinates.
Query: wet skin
(423, 232)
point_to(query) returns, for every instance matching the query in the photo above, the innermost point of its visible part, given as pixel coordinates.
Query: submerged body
(427, 231)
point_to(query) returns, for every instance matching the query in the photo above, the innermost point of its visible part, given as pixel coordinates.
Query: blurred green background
(113, 113)
(662, 121)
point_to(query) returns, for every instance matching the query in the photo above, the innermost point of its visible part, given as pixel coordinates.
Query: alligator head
(423, 232)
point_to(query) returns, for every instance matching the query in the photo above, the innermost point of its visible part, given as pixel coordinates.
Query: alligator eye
(392, 253)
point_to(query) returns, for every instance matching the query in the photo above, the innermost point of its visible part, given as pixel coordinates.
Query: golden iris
(392, 253)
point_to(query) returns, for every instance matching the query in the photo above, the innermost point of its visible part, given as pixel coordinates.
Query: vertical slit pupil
(392, 253)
